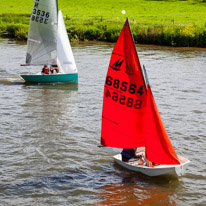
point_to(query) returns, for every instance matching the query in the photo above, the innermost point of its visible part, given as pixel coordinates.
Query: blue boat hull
(52, 78)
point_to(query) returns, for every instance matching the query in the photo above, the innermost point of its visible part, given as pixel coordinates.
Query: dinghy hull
(52, 78)
(177, 170)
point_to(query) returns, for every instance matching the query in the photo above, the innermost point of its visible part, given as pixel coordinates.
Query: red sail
(124, 96)
(130, 117)
(158, 146)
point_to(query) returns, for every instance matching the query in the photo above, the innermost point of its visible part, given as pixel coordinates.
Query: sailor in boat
(129, 155)
(45, 70)
(136, 155)
(54, 69)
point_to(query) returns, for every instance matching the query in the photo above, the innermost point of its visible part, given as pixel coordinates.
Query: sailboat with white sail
(48, 44)
(130, 118)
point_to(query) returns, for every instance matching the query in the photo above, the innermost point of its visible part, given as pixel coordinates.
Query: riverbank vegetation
(162, 22)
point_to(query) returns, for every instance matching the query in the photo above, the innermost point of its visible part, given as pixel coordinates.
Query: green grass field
(176, 23)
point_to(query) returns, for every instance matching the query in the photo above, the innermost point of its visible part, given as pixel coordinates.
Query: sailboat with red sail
(130, 118)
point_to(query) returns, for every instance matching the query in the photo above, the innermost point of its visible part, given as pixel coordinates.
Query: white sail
(64, 52)
(42, 37)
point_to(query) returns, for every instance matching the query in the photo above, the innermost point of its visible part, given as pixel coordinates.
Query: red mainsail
(130, 118)
(124, 96)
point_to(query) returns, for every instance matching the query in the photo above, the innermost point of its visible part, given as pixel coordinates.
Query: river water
(49, 133)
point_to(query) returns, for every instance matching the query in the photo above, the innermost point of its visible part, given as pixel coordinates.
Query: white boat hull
(178, 170)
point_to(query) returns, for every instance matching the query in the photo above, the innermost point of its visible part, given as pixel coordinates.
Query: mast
(136, 53)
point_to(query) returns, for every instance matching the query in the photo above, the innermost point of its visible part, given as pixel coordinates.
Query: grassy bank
(172, 23)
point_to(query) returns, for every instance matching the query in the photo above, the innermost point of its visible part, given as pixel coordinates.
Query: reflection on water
(138, 189)
(132, 194)
(49, 133)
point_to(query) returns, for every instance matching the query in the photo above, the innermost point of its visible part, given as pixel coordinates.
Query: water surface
(49, 133)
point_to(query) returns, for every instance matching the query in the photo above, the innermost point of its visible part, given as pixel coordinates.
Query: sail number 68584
(123, 100)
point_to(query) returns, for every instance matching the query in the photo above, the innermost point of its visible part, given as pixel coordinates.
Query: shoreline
(165, 23)
(94, 42)
(160, 35)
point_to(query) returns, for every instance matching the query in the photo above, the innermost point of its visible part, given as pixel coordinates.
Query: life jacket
(46, 71)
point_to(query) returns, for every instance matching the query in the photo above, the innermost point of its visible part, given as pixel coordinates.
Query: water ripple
(50, 133)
